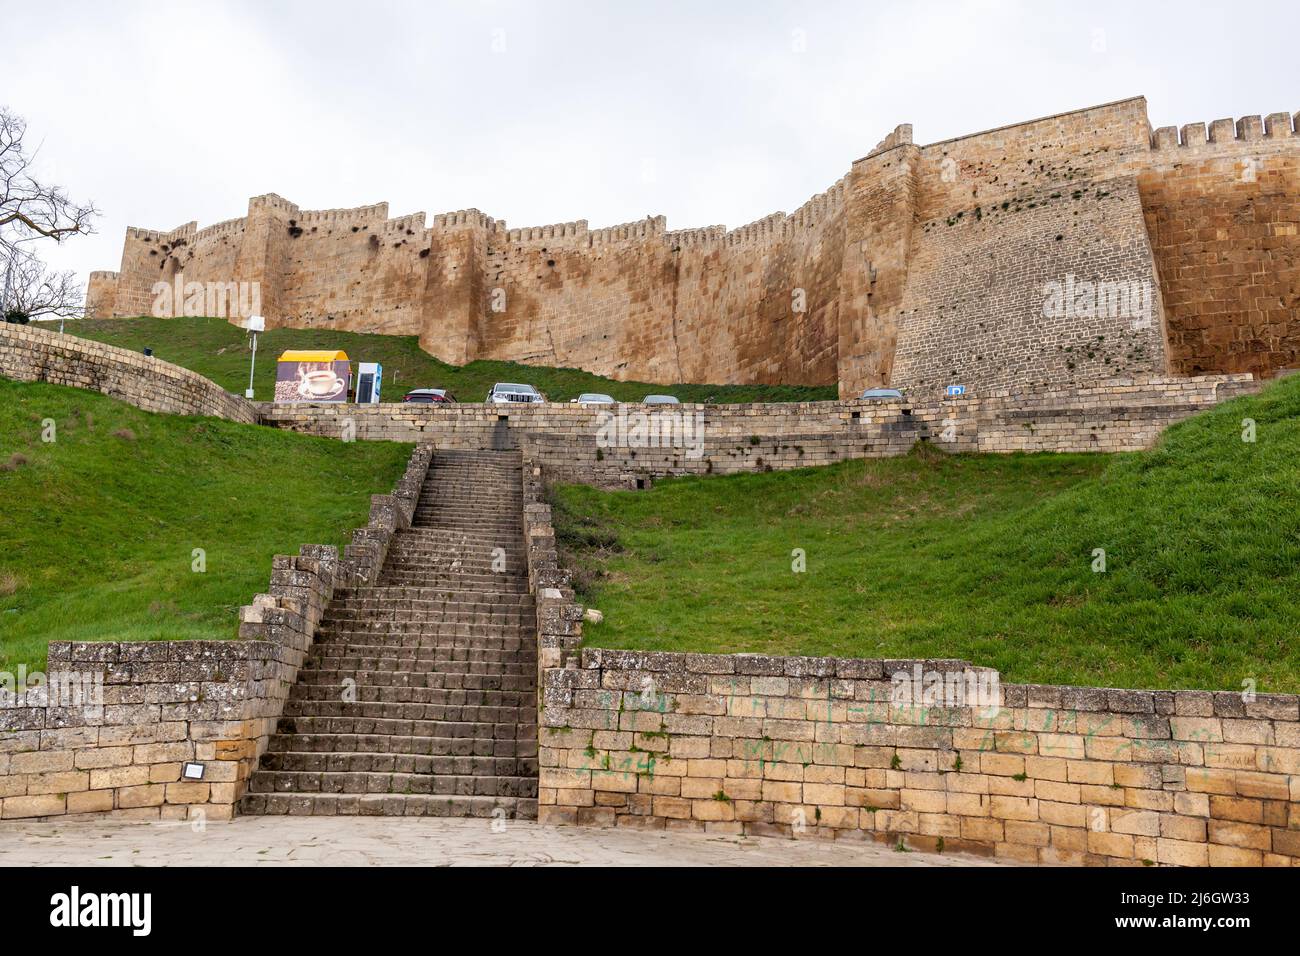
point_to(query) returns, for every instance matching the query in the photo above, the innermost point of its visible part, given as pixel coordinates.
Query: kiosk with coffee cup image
(313, 376)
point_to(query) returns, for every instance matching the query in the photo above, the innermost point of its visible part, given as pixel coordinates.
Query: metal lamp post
(254, 325)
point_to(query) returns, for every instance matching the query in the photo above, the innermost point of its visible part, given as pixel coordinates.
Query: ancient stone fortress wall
(824, 747)
(166, 703)
(923, 266)
(616, 446)
(31, 354)
(1223, 214)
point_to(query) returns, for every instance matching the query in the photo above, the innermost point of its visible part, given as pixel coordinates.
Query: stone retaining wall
(820, 747)
(30, 354)
(168, 702)
(574, 443)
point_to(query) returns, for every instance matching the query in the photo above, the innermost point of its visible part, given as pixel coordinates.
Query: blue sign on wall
(954, 390)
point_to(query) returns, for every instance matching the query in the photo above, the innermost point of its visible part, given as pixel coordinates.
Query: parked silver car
(660, 400)
(510, 393)
(594, 398)
(882, 395)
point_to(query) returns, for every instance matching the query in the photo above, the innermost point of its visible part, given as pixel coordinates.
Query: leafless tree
(31, 291)
(29, 209)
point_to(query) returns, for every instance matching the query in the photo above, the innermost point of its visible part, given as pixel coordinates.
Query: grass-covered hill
(988, 558)
(98, 528)
(218, 350)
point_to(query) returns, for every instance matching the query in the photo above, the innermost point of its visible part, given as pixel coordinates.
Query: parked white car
(594, 398)
(660, 400)
(510, 393)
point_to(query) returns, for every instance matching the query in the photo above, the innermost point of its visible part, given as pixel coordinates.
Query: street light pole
(254, 325)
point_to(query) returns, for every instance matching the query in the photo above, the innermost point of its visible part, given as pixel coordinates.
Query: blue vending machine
(369, 378)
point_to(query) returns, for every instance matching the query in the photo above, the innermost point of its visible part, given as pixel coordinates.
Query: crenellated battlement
(1248, 129)
(762, 230)
(315, 217)
(468, 217)
(413, 222)
(561, 230)
(103, 276)
(274, 202)
(646, 228)
(817, 209)
(219, 230)
(700, 236)
(145, 235)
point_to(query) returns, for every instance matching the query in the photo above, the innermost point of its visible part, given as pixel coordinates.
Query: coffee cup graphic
(320, 383)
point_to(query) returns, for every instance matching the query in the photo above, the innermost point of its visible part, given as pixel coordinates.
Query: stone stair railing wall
(31, 354)
(821, 747)
(166, 703)
(559, 615)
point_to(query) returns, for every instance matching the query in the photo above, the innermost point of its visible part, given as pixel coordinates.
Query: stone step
(306, 761)
(390, 694)
(470, 633)
(484, 637)
(401, 595)
(396, 574)
(464, 660)
(404, 726)
(299, 781)
(361, 657)
(377, 611)
(449, 536)
(433, 679)
(475, 714)
(519, 748)
(427, 650)
(406, 647)
(389, 805)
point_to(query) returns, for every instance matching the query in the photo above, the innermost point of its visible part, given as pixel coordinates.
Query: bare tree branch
(28, 290)
(29, 209)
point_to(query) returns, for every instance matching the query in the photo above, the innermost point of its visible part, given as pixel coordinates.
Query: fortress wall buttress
(1030, 261)
(1057, 289)
(882, 197)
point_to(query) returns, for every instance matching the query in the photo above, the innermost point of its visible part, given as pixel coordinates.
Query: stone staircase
(418, 696)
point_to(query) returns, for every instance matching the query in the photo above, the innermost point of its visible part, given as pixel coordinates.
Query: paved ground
(363, 841)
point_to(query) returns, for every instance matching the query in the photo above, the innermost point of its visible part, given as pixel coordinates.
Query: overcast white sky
(535, 113)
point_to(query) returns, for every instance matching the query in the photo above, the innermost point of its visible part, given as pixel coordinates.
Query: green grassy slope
(98, 528)
(987, 558)
(218, 350)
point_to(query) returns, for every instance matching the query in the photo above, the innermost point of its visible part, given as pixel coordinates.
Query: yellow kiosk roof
(314, 355)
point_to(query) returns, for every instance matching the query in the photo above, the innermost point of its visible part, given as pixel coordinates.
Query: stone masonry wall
(168, 702)
(1224, 218)
(30, 354)
(821, 747)
(922, 266)
(573, 443)
(977, 306)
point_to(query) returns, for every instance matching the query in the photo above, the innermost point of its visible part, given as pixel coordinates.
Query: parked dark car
(429, 396)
